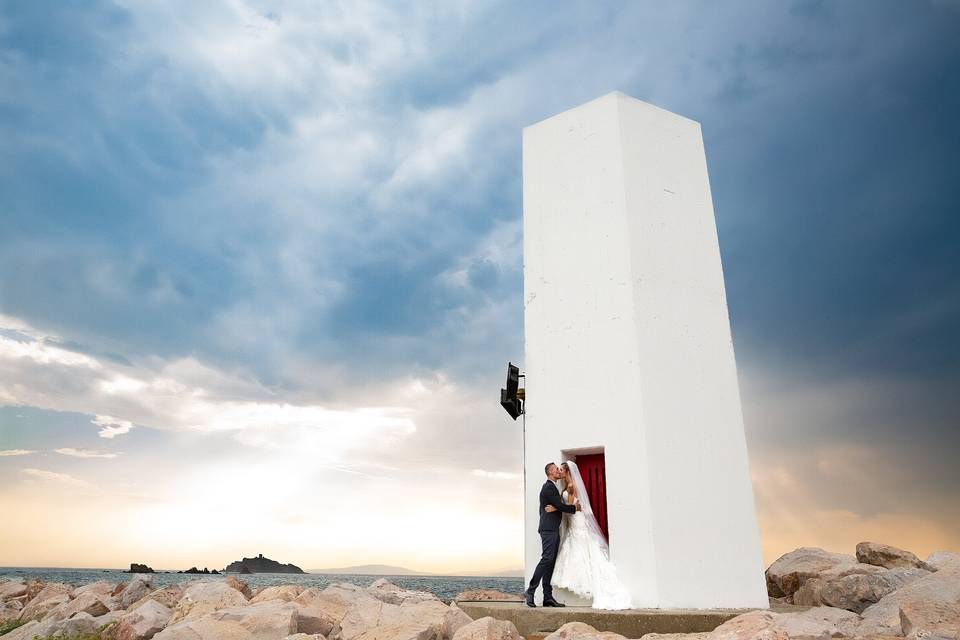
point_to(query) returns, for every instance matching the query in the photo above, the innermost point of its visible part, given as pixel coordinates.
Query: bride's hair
(568, 480)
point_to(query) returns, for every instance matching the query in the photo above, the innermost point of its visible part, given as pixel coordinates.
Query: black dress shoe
(552, 603)
(530, 602)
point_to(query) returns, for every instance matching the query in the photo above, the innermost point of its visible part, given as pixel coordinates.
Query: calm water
(444, 587)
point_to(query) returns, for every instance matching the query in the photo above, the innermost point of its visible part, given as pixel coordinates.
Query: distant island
(261, 565)
(204, 571)
(136, 567)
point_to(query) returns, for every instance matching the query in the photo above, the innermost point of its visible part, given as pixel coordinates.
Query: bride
(583, 562)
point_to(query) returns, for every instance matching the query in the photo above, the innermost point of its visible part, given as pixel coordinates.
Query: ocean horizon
(444, 587)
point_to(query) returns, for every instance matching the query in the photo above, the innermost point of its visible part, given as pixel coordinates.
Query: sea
(444, 587)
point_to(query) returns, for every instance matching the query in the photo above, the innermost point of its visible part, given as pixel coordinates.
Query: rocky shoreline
(880, 593)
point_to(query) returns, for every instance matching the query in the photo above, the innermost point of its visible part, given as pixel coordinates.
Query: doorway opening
(593, 469)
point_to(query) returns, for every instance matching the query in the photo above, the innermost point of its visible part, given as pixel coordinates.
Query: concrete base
(634, 623)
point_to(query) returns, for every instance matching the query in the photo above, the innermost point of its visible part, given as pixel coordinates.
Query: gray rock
(100, 588)
(478, 595)
(240, 586)
(319, 612)
(168, 596)
(139, 586)
(488, 629)
(88, 602)
(284, 592)
(582, 631)
(939, 559)
(79, 625)
(386, 591)
(142, 623)
(39, 607)
(788, 572)
(12, 589)
(266, 620)
(884, 555)
(926, 602)
(204, 597)
(854, 592)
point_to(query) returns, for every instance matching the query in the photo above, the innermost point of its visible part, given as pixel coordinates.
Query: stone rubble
(881, 593)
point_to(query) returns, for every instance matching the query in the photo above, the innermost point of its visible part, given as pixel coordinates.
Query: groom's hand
(579, 507)
(549, 508)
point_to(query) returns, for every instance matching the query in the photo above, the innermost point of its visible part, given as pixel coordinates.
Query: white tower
(629, 360)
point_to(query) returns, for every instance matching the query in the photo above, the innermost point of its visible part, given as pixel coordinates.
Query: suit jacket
(549, 494)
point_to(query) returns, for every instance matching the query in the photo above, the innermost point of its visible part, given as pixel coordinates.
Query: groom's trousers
(544, 571)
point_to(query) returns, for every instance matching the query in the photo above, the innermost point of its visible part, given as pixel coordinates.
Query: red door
(593, 469)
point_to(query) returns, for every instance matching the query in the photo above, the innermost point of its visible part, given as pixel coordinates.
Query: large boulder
(142, 623)
(319, 612)
(33, 588)
(266, 620)
(240, 586)
(488, 629)
(87, 602)
(939, 559)
(454, 619)
(754, 625)
(28, 631)
(924, 619)
(10, 610)
(12, 589)
(582, 631)
(883, 555)
(372, 619)
(284, 592)
(140, 586)
(482, 595)
(788, 572)
(39, 607)
(109, 618)
(50, 596)
(100, 588)
(362, 611)
(168, 596)
(80, 625)
(386, 591)
(819, 623)
(925, 603)
(854, 591)
(201, 598)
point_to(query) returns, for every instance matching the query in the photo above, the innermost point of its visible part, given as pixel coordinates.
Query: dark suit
(549, 530)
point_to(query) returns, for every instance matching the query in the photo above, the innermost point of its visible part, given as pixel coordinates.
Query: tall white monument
(629, 360)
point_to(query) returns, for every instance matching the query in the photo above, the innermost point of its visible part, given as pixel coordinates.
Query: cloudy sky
(260, 267)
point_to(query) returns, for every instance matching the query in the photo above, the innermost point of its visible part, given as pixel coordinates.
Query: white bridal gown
(584, 568)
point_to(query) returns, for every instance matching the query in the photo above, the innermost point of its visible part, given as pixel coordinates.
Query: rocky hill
(261, 565)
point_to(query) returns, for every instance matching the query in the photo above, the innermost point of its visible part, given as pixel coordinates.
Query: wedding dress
(583, 562)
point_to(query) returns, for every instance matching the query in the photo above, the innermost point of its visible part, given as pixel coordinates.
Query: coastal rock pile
(223, 610)
(881, 593)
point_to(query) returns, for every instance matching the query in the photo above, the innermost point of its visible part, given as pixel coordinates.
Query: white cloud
(15, 452)
(84, 453)
(57, 478)
(495, 475)
(187, 395)
(112, 427)
(42, 352)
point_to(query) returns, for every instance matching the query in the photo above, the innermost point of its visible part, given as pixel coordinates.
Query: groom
(549, 530)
